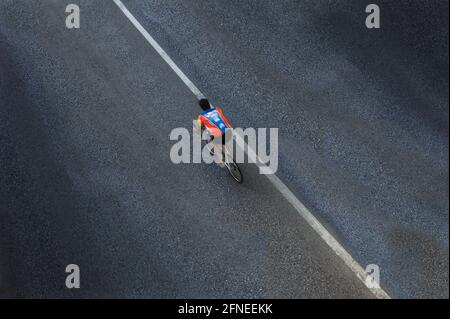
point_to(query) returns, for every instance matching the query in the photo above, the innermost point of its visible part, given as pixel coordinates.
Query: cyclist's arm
(198, 125)
(219, 110)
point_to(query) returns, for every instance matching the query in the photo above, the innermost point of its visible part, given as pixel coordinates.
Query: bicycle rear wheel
(235, 172)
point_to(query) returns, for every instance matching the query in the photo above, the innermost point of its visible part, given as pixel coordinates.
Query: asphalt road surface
(86, 178)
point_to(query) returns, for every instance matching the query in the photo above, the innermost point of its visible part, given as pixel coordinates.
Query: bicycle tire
(235, 172)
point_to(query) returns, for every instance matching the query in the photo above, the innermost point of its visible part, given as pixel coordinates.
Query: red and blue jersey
(214, 121)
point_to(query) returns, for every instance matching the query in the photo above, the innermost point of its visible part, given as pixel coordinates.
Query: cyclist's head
(204, 104)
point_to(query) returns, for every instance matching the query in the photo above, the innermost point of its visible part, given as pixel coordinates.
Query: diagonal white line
(277, 183)
(160, 51)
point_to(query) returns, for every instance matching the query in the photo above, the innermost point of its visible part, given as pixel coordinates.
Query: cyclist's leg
(219, 147)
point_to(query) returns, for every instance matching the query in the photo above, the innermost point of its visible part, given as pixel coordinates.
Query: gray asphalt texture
(86, 177)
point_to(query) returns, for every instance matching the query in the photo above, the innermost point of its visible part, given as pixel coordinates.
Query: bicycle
(229, 162)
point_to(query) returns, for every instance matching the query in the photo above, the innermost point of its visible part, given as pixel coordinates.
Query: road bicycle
(228, 161)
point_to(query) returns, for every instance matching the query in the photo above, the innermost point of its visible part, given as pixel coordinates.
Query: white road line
(160, 50)
(277, 183)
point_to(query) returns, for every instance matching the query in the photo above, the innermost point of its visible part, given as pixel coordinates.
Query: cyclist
(213, 120)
